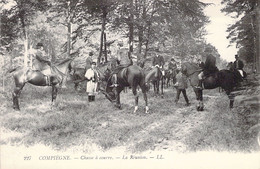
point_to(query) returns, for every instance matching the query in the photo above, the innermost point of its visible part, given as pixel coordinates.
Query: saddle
(114, 77)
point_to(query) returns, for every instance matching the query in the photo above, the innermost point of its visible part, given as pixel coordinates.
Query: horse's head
(188, 68)
(105, 82)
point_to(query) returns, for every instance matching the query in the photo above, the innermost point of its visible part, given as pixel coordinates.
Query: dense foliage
(244, 31)
(66, 27)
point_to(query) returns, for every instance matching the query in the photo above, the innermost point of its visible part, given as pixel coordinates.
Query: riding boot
(93, 98)
(199, 85)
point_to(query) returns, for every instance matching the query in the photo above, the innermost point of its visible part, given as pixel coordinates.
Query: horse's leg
(199, 97)
(117, 92)
(143, 88)
(54, 94)
(136, 98)
(162, 87)
(168, 82)
(76, 86)
(157, 87)
(154, 88)
(201, 100)
(16, 94)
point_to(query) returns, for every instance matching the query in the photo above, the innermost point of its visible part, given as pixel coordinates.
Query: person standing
(181, 86)
(92, 80)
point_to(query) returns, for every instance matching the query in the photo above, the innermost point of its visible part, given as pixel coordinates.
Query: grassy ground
(76, 124)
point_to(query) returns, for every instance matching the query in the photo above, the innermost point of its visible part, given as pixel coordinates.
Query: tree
(244, 31)
(19, 16)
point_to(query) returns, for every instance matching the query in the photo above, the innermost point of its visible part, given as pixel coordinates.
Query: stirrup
(114, 85)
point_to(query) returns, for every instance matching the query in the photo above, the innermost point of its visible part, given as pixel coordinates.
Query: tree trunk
(69, 30)
(25, 42)
(147, 40)
(105, 45)
(104, 16)
(257, 39)
(131, 28)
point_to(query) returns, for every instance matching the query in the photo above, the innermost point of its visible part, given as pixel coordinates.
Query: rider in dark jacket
(158, 60)
(209, 66)
(238, 64)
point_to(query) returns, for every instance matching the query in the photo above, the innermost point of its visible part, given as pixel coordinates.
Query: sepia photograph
(129, 84)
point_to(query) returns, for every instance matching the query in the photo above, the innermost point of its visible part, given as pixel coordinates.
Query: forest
(76, 28)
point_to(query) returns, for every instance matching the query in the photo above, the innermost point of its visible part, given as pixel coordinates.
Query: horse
(155, 76)
(53, 76)
(131, 76)
(226, 79)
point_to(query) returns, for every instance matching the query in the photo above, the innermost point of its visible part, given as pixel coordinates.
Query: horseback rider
(209, 66)
(172, 64)
(124, 60)
(158, 61)
(39, 62)
(238, 63)
(40, 58)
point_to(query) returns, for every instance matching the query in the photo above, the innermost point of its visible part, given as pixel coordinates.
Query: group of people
(124, 60)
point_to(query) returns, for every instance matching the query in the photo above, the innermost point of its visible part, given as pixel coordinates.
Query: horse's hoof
(198, 108)
(118, 106)
(16, 108)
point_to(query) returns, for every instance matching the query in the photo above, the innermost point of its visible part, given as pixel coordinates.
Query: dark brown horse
(132, 76)
(225, 79)
(155, 76)
(49, 76)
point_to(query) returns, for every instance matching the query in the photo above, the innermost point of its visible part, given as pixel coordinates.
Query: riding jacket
(39, 60)
(123, 57)
(172, 65)
(158, 60)
(238, 64)
(123, 60)
(210, 65)
(181, 81)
